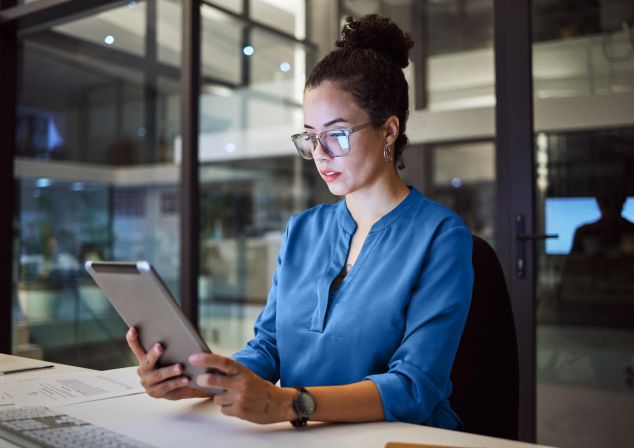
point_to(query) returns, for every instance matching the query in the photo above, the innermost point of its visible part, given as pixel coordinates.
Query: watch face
(305, 404)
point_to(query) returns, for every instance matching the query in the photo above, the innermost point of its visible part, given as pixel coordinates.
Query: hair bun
(379, 34)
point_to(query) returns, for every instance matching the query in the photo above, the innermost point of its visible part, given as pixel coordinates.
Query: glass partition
(463, 179)
(451, 64)
(583, 48)
(221, 38)
(251, 180)
(98, 116)
(288, 16)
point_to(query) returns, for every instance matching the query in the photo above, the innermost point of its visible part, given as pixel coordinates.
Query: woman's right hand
(160, 382)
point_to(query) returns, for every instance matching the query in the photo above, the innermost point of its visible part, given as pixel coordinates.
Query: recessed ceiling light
(285, 67)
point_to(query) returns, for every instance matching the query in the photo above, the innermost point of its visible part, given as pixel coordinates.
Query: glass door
(583, 82)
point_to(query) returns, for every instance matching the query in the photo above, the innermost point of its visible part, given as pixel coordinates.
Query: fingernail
(157, 348)
(195, 358)
(185, 381)
(177, 368)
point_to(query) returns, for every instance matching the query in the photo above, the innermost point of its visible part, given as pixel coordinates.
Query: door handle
(536, 236)
(521, 237)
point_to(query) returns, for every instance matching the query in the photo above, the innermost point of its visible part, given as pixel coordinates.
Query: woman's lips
(329, 175)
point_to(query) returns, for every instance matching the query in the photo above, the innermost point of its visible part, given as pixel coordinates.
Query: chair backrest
(485, 374)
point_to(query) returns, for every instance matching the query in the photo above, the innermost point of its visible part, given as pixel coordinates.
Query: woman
(370, 294)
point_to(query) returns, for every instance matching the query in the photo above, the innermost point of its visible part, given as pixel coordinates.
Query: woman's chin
(337, 189)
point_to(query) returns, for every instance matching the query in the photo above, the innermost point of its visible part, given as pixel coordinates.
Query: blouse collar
(348, 224)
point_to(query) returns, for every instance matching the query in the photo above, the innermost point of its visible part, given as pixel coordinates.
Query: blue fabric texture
(396, 319)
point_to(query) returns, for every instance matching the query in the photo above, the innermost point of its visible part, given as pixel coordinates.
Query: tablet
(143, 301)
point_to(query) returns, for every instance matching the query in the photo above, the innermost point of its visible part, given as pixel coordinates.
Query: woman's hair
(368, 63)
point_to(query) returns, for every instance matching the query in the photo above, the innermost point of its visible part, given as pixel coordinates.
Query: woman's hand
(247, 396)
(165, 382)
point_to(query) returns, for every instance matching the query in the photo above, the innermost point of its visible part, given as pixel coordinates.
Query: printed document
(68, 388)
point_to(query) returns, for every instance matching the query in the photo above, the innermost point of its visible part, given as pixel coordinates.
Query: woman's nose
(320, 153)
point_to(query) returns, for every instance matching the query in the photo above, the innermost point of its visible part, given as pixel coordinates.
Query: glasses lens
(336, 142)
(304, 145)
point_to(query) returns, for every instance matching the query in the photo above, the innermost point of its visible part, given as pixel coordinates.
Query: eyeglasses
(335, 142)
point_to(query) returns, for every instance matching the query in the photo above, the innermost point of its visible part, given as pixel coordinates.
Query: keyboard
(40, 426)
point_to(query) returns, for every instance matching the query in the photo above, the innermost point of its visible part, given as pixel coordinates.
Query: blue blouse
(395, 319)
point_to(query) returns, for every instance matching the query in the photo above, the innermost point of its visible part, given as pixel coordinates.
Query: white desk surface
(197, 423)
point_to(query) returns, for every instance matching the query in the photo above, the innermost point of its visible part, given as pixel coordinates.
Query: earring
(387, 154)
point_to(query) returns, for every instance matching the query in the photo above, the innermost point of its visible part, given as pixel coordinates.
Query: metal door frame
(516, 187)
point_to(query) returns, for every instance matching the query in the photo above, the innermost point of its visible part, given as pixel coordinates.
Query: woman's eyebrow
(330, 123)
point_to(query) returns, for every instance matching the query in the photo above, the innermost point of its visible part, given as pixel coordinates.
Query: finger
(155, 376)
(132, 337)
(226, 365)
(160, 390)
(217, 380)
(152, 356)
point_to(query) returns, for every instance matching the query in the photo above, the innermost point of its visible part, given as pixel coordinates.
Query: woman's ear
(392, 127)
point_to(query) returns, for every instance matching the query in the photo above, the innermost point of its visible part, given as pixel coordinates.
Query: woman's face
(329, 107)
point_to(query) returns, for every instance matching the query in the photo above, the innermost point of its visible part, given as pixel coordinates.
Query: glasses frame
(317, 138)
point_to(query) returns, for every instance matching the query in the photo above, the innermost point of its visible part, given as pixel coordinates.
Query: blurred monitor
(564, 215)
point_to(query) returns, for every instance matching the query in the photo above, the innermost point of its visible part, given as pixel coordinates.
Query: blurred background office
(99, 142)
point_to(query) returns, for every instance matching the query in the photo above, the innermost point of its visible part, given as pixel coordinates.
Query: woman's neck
(371, 203)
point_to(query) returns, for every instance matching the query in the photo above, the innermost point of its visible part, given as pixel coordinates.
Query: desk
(198, 422)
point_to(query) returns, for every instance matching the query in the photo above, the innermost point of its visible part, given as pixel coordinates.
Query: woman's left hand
(247, 396)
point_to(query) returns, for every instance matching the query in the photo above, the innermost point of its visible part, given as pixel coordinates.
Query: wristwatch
(304, 405)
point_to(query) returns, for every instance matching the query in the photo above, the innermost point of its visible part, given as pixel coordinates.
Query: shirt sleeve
(419, 370)
(260, 354)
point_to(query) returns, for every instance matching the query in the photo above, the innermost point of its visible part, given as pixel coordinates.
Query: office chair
(485, 373)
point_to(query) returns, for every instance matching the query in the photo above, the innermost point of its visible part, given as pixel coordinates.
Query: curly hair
(368, 63)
